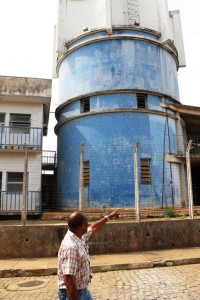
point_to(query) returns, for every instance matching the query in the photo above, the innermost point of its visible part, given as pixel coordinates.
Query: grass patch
(169, 213)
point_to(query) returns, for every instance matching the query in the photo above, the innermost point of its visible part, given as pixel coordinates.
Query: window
(85, 105)
(142, 101)
(0, 181)
(86, 183)
(86, 172)
(2, 119)
(15, 182)
(145, 168)
(20, 123)
(2, 122)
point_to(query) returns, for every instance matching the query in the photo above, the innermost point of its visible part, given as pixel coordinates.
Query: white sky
(26, 45)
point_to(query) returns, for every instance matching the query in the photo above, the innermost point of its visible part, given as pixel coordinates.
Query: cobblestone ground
(182, 283)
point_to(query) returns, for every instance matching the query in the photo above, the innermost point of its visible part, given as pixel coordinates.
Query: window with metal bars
(145, 168)
(86, 172)
(142, 101)
(85, 105)
(20, 123)
(14, 182)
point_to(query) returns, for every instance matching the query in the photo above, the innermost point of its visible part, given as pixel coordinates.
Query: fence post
(24, 195)
(189, 181)
(137, 196)
(81, 183)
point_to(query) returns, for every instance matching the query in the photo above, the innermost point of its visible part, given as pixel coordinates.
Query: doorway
(195, 168)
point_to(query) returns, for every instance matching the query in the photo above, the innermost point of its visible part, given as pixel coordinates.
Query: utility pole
(137, 196)
(81, 179)
(189, 180)
(24, 195)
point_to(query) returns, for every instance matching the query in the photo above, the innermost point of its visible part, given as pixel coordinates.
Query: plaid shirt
(73, 259)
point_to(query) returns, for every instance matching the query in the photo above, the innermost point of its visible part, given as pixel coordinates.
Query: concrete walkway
(24, 267)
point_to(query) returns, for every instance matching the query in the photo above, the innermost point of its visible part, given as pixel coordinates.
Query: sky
(25, 24)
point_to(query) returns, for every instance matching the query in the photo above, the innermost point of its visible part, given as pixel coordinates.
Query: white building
(24, 114)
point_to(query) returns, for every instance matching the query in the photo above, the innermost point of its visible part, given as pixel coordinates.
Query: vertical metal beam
(81, 179)
(189, 180)
(108, 17)
(180, 140)
(137, 196)
(24, 195)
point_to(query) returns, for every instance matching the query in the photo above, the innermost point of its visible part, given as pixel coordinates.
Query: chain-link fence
(106, 175)
(103, 175)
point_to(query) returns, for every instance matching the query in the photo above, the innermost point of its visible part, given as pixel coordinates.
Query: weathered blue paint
(124, 32)
(109, 148)
(111, 101)
(112, 71)
(118, 64)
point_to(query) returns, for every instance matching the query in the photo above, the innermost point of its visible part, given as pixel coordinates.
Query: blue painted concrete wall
(114, 124)
(118, 64)
(109, 142)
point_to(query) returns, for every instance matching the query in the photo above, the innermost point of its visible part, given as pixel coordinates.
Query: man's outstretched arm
(96, 226)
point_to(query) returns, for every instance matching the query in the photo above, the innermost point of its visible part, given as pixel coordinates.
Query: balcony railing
(11, 137)
(49, 158)
(12, 201)
(178, 144)
(195, 148)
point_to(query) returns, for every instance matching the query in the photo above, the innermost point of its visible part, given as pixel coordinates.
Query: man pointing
(74, 273)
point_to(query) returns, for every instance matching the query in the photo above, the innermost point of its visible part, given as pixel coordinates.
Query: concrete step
(94, 214)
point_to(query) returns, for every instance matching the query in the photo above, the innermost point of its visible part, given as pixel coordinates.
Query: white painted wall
(119, 12)
(177, 36)
(149, 17)
(74, 15)
(35, 109)
(14, 162)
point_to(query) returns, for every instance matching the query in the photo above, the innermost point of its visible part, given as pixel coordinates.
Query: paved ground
(23, 267)
(177, 282)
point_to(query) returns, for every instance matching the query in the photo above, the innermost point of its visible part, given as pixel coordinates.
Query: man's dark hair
(76, 219)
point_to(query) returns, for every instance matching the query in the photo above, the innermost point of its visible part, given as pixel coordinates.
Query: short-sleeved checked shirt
(73, 259)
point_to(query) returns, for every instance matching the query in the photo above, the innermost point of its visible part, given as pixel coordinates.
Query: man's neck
(77, 233)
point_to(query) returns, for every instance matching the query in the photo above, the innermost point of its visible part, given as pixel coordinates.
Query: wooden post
(189, 181)
(81, 181)
(24, 195)
(137, 196)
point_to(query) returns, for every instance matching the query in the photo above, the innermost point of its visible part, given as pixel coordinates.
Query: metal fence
(162, 177)
(12, 201)
(15, 137)
(49, 158)
(108, 176)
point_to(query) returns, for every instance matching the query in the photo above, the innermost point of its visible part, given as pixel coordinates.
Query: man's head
(78, 223)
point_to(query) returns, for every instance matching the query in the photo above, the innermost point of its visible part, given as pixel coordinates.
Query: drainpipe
(81, 187)
(171, 177)
(180, 140)
(163, 179)
(137, 195)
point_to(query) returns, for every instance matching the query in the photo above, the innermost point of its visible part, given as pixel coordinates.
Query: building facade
(117, 68)
(24, 114)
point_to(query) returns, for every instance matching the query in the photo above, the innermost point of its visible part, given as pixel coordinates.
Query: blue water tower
(117, 69)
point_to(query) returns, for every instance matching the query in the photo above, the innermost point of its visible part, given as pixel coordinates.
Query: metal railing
(14, 137)
(195, 147)
(49, 158)
(12, 201)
